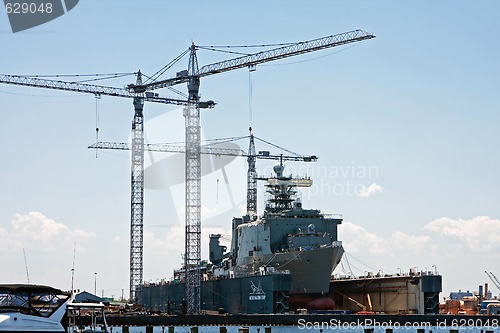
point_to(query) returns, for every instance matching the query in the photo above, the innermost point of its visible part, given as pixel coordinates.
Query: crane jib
(97, 90)
(265, 56)
(139, 90)
(286, 51)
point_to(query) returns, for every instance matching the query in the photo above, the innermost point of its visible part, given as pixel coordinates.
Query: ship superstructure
(286, 239)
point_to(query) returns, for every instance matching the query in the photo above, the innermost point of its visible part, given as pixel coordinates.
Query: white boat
(32, 308)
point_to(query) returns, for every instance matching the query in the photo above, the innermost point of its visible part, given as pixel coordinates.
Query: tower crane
(252, 176)
(137, 156)
(220, 151)
(191, 76)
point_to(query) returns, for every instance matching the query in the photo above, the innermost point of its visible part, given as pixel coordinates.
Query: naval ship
(280, 261)
(287, 238)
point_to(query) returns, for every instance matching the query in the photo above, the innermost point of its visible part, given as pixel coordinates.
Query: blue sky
(405, 125)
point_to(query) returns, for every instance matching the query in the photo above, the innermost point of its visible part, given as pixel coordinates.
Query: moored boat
(32, 308)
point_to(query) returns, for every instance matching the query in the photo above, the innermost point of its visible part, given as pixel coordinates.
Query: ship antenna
(73, 268)
(26, 265)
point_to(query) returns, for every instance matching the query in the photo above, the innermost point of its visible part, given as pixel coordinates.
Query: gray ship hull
(310, 269)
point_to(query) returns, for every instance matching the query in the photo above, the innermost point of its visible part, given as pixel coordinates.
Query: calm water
(303, 329)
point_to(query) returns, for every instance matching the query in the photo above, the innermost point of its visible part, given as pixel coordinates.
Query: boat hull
(20, 323)
(310, 269)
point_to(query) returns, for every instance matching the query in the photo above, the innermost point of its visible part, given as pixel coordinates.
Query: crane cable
(216, 49)
(73, 75)
(96, 77)
(222, 51)
(250, 91)
(107, 77)
(276, 146)
(162, 70)
(312, 59)
(97, 98)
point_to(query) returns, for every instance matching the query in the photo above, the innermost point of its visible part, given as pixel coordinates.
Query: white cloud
(174, 239)
(366, 192)
(358, 240)
(167, 248)
(367, 251)
(479, 234)
(36, 231)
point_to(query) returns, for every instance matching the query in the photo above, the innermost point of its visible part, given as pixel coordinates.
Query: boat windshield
(34, 301)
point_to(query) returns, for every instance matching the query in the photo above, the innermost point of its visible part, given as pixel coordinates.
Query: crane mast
(251, 180)
(137, 196)
(192, 255)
